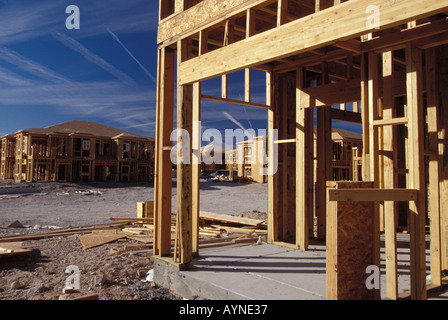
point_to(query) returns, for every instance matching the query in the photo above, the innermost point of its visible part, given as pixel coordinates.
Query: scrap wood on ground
(214, 228)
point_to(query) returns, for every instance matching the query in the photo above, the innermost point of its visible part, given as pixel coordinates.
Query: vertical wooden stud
(414, 88)
(433, 170)
(390, 211)
(184, 168)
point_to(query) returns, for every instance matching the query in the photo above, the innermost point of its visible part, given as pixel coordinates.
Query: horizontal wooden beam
(334, 93)
(234, 101)
(391, 122)
(398, 39)
(327, 27)
(345, 115)
(372, 194)
(285, 141)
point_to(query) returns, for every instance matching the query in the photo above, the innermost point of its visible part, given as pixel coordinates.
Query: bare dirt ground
(41, 275)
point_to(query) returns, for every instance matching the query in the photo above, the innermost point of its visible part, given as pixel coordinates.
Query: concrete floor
(265, 272)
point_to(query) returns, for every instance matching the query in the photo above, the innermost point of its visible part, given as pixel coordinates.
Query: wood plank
(391, 121)
(13, 248)
(335, 93)
(302, 164)
(399, 38)
(234, 101)
(205, 215)
(433, 169)
(282, 12)
(323, 173)
(364, 105)
(271, 152)
(247, 85)
(345, 115)
(263, 48)
(196, 170)
(184, 168)
(373, 195)
(165, 109)
(97, 239)
(416, 179)
(390, 208)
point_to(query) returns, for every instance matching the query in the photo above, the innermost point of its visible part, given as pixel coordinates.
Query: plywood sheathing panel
(350, 250)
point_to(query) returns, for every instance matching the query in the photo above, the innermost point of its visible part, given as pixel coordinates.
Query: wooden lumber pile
(214, 228)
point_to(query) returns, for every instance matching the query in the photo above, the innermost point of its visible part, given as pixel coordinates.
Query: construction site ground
(104, 272)
(123, 269)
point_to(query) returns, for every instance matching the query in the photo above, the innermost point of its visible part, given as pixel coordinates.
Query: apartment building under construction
(77, 151)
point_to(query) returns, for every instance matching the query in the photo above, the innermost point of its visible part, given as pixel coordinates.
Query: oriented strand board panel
(201, 14)
(98, 238)
(350, 251)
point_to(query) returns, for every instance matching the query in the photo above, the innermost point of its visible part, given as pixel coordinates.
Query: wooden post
(184, 167)
(365, 117)
(282, 12)
(433, 170)
(442, 53)
(196, 170)
(271, 165)
(373, 100)
(390, 208)
(414, 87)
(303, 163)
(163, 174)
(323, 172)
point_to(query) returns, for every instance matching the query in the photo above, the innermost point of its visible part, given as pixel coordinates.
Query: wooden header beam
(348, 20)
(372, 194)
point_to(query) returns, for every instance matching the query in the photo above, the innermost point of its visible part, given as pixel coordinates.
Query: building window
(126, 147)
(86, 145)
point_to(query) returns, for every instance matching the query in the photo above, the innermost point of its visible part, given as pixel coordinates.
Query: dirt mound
(254, 214)
(42, 275)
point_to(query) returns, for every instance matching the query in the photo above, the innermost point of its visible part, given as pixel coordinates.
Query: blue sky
(103, 72)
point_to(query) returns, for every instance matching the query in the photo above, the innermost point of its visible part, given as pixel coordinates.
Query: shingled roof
(86, 128)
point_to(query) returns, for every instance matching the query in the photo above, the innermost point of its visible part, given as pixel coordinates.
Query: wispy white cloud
(29, 65)
(92, 57)
(132, 56)
(112, 101)
(11, 79)
(228, 116)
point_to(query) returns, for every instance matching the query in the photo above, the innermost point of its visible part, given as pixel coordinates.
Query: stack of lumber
(213, 228)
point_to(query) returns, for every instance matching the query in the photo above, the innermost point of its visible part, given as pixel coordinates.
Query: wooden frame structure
(387, 61)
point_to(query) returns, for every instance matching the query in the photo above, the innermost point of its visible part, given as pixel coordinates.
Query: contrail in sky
(30, 66)
(75, 45)
(234, 121)
(132, 56)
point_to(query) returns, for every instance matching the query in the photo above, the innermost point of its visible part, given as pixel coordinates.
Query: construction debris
(12, 248)
(16, 225)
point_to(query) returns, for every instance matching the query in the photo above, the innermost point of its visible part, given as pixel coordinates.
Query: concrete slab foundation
(262, 272)
(249, 272)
